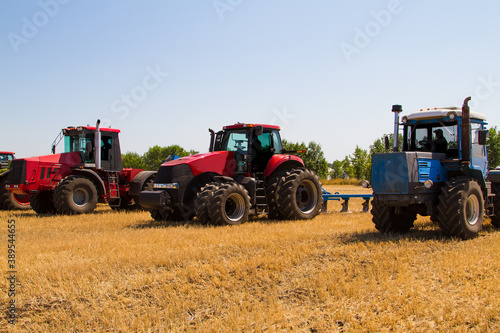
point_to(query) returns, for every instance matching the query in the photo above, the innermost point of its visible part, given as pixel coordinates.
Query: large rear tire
(461, 208)
(75, 195)
(230, 204)
(495, 219)
(387, 221)
(300, 195)
(43, 203)
(11, 201)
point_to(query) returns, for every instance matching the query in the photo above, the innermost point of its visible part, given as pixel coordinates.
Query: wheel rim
(235, 207)
(81, 197)
(307, 196)
(472, 210)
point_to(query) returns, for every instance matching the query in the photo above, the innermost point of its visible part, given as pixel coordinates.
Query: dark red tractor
(246, 172)
(9, 201)
(89, 171)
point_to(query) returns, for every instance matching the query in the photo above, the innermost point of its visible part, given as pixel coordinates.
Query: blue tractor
(441, 172)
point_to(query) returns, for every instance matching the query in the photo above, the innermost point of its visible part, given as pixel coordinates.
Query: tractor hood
(220, 162)
(42, 170)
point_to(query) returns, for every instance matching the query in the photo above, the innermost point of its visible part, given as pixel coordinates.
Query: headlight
(365, 184)
(452, 115)
(428, 184)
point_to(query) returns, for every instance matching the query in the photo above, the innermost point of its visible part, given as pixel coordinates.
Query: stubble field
(121, 272)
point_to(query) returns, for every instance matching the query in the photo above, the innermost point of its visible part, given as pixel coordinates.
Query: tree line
(357, 165)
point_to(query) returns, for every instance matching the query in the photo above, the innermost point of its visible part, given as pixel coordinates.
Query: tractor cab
(440, 131)
(5, 158)
(253, 145)
(85, 139)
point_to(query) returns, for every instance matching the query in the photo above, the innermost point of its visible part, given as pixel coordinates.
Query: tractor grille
(180, 174)
(17, 173)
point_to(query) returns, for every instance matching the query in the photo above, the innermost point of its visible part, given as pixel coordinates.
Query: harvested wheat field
(121, 272)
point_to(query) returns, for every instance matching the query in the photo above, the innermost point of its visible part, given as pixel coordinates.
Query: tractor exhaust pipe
(212, 138)
(97, 145)
(466, 143)
(397, 109)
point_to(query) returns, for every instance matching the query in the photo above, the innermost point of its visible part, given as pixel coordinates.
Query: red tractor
(89, 171)
(9, 201)
(245, 173)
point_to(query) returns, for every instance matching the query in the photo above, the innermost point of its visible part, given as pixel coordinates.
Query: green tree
(155, 155)
(378, 145)
(360, 163)
(493, 147)
(132, 160)
(337, 170)
(313, 158)
(347, 168)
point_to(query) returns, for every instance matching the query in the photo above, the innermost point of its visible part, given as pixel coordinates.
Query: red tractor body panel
(219, 162)
(277, 160)
(45, 172)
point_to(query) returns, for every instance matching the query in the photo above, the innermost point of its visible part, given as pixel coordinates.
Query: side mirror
(259, 130)
(482, 137)
(386, 141)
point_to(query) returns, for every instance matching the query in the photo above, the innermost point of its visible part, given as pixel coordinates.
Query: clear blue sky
(165, 71)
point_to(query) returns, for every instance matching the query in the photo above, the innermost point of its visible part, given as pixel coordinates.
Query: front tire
(230, 204)
(43, 203)
(202, 203)
(75, 195)
(387, 221)
(461, 208)
(300, 195)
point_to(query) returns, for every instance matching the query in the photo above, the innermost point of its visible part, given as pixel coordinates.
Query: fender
(279, 160)
(138, 182)
(92, 175)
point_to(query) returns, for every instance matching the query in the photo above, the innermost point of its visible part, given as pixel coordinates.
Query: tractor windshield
(235, 141)
(81, 143)
(436, 137)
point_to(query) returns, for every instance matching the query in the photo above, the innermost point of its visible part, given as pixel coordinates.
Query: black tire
(202, 202)
(300, 195)
(11, 201)
(387, 221)
(159, 215)
(43, 203)
(163, 215)
(230, 204)
(75, 195)
(272, 184)
(495, 219)
(461, 208)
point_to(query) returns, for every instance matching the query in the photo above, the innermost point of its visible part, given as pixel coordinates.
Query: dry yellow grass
(120, 272)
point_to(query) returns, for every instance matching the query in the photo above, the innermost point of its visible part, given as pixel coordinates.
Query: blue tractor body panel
(404, 173)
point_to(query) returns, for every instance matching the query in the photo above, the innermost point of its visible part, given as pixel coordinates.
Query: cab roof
(442, 113)
(239, 125)
(91, 128)
(6, 152)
